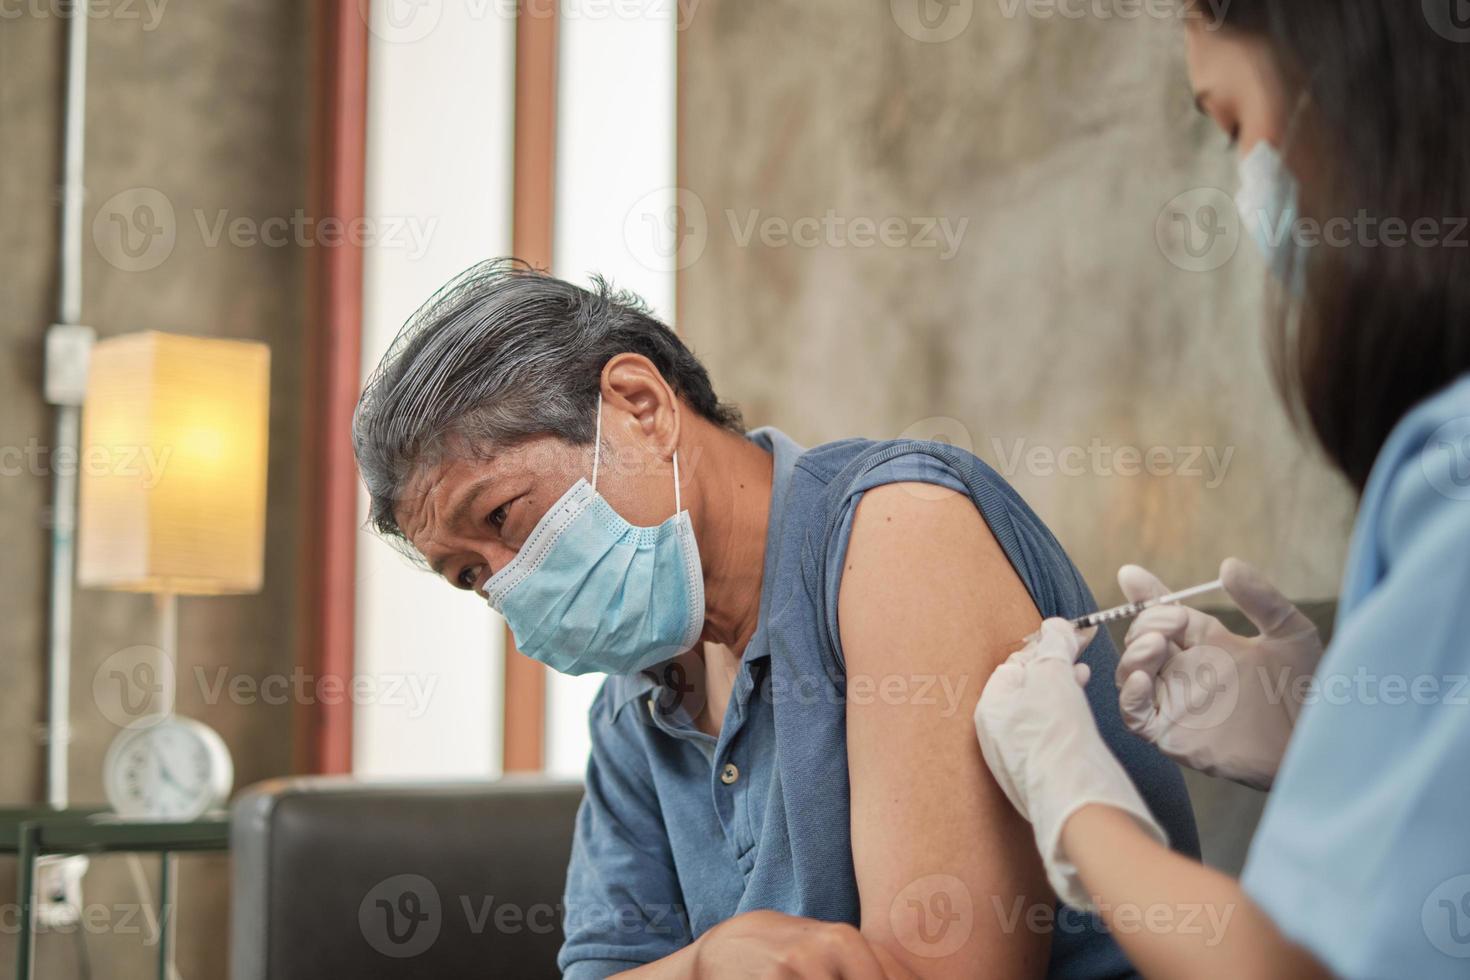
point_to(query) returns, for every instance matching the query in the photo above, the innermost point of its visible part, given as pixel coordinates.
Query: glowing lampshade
(172, 465)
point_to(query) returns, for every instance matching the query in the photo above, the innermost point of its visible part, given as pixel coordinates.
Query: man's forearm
(676, 966)
(763, 943)
(1173, 916)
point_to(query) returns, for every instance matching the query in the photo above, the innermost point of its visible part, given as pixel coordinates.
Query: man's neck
(735, 493)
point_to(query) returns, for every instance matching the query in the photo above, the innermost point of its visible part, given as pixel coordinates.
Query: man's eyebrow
(466, 500)
(1200, 98)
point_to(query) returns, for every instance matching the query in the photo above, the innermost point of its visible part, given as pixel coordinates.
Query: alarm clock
(163, 767)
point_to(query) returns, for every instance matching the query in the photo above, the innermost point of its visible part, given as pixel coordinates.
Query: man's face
(469, 514)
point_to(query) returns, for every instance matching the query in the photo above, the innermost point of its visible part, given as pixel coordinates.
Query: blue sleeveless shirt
(679, 831)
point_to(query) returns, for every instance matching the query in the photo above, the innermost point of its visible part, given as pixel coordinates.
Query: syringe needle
(1130, 609)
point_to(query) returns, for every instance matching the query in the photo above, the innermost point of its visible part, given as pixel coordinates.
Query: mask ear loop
(597, 443)
(1293, 125)
(1293, 122)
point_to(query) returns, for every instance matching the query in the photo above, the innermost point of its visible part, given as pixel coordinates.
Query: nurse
(1348, 118)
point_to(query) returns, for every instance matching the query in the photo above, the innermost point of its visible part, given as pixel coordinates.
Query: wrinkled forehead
(437, 478)
(431, 483)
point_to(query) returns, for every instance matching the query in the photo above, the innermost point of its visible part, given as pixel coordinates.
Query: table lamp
(172, 502)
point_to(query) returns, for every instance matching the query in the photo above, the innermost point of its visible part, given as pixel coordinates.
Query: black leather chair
(337, 877)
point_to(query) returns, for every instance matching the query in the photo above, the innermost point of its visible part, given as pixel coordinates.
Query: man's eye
(497, 517)
(467, 578)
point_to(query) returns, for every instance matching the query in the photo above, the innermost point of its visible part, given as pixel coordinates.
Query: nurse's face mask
(590, 592)
(1269, 201)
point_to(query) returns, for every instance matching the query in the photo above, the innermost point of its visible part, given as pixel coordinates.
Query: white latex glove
(1209, 699)
(1039, 738)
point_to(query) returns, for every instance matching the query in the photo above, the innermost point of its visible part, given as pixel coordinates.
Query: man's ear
(641, 401)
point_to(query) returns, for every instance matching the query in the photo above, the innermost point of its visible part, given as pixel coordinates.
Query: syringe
(1130, 609)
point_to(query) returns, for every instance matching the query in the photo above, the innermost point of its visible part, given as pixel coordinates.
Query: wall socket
(59, 890)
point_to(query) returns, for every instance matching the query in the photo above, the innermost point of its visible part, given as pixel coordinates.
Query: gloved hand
(1039, 738)
(1211, 700)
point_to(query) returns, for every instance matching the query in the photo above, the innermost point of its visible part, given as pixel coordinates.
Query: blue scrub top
(1363, 853)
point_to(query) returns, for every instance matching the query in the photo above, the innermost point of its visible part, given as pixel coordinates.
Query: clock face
(167, 768)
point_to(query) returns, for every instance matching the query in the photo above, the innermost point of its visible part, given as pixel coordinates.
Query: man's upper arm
(947, 871)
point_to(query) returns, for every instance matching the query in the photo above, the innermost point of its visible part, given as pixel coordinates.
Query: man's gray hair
(502, 353)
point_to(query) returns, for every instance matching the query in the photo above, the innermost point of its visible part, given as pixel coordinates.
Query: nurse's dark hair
(502, 353)
(1380, 327)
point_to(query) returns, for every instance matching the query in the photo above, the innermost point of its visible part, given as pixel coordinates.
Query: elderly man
(784, 778)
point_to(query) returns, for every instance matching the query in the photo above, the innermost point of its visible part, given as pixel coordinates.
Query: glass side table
(30, 833)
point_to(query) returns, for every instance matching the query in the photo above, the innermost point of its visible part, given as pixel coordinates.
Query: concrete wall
(203, 108)
(1069, 326)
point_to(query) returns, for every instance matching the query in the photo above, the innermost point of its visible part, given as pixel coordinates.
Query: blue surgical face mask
(590, 592)
(1269, 204)
(1267, 201)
